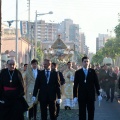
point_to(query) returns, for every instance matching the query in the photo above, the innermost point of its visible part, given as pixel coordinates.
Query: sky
(93, 16)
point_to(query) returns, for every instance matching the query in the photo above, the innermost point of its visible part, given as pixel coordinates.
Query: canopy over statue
(108, 61)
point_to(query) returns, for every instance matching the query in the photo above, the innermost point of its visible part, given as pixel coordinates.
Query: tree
(98, 57)
(40, 54)
(117, 30)
(111, 48)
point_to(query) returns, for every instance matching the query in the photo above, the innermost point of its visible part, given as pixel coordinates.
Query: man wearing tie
(48, 85)
(85, 85)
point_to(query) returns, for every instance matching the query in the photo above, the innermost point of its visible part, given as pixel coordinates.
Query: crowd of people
(109, 79)
(22, 89)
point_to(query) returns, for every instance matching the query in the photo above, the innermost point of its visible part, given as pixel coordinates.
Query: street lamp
(36, 15)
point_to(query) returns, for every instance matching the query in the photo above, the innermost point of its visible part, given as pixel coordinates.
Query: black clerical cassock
(12, 92)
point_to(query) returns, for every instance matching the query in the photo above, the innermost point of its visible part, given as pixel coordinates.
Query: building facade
(82, 43)
(67, 29)
(101, 40)
(45, 31)
(8, 47)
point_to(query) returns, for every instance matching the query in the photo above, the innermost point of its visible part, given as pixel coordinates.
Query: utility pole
(32, 50)
(29, 28)
(0, 31)
(17, 32)
(35, 35)
(29, 20)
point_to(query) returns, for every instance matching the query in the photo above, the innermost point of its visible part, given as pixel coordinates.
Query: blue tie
(85, 71)
(47, 75)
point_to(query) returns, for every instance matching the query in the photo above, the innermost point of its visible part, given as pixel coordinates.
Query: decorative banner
(24, 27)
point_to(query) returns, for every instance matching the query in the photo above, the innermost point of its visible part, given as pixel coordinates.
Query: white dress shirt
(35, 72)
(85, 71)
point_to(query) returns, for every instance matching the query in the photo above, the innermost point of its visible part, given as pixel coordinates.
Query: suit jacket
(104, 75)
(86, 91)
(61, 77)
(119, 82)
(47, 91)
(29, 76)
(112, 78)
(29, 83)
(98, 73)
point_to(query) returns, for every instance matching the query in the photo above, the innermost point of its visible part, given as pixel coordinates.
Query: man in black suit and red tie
(85, 85)
(48, 84)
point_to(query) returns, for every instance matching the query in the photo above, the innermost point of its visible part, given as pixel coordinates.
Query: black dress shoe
(111, 100)
(66, 107)
(57, 115)
(107, 99)
(69, 108)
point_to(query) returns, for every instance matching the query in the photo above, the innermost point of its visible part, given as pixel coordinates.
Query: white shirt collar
(35, 70)
(85, 68)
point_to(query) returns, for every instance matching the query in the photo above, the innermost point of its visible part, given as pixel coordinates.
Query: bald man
(12, 103)
(48, 84)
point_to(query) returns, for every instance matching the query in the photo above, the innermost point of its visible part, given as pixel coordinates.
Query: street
(106, 111)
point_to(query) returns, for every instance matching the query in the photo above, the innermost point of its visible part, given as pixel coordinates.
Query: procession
(59, 60)
(23, 91)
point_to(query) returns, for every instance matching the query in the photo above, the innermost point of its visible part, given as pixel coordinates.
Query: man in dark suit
(48, 84)
(54, 67)
(85, 85)
(111, 84)
(104, 78)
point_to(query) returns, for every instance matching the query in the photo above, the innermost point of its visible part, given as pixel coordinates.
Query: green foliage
(40, 54)
(111, 49)
(98, 58)
(117, 30)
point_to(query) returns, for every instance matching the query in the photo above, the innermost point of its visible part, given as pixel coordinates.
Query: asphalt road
(106, 111)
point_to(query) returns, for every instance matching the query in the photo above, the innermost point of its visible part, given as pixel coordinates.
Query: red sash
(9, 88)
